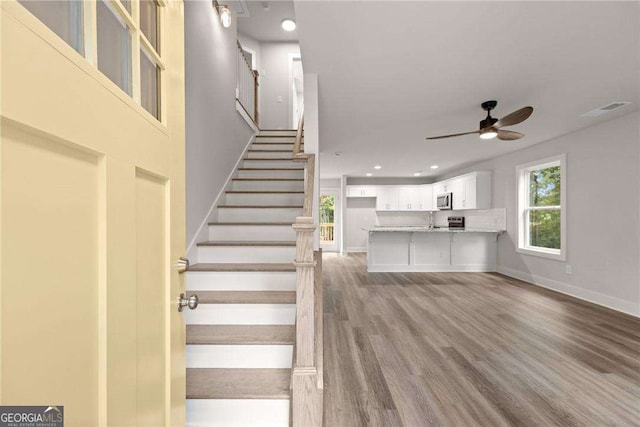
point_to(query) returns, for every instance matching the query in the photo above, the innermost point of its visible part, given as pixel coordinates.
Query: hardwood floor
(466, 349)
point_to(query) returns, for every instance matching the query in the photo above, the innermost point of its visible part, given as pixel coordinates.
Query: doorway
(296, 95)
(329, 220)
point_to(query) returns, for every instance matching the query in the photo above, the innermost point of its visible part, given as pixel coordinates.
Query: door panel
(50, 274)
(151, 295)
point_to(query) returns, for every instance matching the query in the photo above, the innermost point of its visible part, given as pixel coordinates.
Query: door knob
(191, 302)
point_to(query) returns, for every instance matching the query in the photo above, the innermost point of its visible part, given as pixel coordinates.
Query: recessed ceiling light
(377, 167)
(369, 174)
(416, 174)
(288, 25)
(434, 166)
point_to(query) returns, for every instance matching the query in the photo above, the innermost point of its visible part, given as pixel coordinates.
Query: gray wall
(216, 133)
(602, 213)
(275, 81)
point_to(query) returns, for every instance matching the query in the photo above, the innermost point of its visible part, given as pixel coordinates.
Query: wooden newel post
(305, 398)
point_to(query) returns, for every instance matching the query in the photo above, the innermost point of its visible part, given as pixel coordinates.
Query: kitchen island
(419, 248)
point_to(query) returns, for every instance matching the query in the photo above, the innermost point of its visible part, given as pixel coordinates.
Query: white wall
(275, 80)
(216, 133)
(603, 237)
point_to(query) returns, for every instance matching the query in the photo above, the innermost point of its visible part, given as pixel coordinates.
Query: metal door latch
(191, 302)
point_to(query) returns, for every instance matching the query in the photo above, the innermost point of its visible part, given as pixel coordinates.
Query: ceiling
(262, 20)
(390, 74)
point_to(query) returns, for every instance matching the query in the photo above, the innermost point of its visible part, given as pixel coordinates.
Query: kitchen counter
(420, 248)
(425, 229)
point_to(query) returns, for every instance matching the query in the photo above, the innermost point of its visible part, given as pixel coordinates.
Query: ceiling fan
(491, 127)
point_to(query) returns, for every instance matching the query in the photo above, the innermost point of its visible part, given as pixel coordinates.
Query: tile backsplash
(483, 219)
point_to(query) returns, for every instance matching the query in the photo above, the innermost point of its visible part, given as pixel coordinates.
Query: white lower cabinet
(432, 251)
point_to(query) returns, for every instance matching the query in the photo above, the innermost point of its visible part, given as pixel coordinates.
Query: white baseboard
(356, 249)
(203, 231)
(613, 303)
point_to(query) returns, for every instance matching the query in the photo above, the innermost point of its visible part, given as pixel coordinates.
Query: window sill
(541, 252)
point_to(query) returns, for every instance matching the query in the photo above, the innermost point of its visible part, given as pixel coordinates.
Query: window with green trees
(541, 219)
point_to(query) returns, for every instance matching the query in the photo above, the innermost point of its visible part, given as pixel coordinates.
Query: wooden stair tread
(260, 206)
(246, 297)
(248, 243)
(254, 266)
(270, 169)
(264, 192)
(268, 151)
(276, 143)
(241, 334)
(268, 179)
(251, 223)
(270, 159)
(215, 383)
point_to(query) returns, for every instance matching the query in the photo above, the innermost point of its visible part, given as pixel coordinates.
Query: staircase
(240, 338)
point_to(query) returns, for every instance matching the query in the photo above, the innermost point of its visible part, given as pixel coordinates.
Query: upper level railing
(307, 378)
(247, 86)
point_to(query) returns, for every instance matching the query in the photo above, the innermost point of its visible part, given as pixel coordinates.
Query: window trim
(522, 193)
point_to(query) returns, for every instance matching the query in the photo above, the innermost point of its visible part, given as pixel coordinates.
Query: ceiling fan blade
(455, 134)
(514, 118)
(509, 135)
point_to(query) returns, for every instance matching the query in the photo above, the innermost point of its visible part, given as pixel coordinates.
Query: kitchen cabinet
(409, 198)
(426, 197)
(387, 198)
(470, 191)
(361, 191)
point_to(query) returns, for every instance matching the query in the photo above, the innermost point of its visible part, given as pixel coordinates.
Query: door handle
(191, 302)
(183, 265)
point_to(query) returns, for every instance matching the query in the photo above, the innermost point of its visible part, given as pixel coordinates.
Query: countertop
(425, 229)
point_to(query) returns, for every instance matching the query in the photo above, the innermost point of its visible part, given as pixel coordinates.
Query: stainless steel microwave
(445, 201)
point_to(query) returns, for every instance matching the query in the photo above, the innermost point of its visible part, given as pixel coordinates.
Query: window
(63, 17)
(541, 208)
(124, 44)
(114, 46)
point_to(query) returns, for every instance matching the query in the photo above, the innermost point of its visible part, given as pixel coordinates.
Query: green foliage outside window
(544, 190)
(327, 207)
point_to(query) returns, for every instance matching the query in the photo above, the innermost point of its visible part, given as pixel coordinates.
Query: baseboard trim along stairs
(240, 339)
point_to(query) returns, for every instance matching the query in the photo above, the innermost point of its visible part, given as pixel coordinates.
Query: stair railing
(307, 376)
(247, 86)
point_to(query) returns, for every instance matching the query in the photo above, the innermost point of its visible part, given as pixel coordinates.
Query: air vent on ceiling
(605, 109)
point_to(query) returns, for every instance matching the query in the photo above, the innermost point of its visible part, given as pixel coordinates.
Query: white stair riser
(262, 154)
(266, 173)
(241, 314)
(255, 163)
(268, 185)
(246, 254)
(289, 199)
(245, 233)
(240, 356)
(237, 412)
(272, 145)
(258, 214)
(241, 281)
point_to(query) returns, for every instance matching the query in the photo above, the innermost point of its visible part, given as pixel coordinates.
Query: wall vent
(605, 109)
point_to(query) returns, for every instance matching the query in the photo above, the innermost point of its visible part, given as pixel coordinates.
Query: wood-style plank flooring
(471, 349)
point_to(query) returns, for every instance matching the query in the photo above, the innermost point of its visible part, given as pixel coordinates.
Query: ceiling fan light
(488, 134)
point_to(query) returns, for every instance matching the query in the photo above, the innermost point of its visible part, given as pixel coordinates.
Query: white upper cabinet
(387, 198)
(426, 197)
(408, 198)
(361, 191)
(470, 191)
